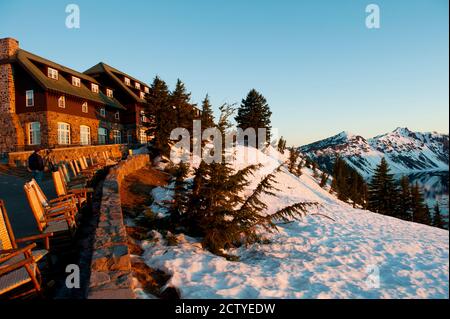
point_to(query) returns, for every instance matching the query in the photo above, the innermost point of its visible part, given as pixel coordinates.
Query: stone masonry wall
(11, 132)
(111, 275)
(69, 153)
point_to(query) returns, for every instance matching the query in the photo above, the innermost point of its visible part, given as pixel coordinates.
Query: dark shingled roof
(27, 60)
(113, 73)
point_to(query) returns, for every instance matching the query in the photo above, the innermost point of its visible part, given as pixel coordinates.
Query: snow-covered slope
(355, 254)
(406, 152)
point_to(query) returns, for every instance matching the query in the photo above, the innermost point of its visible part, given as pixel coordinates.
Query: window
(52, 73)
(137, 85)
(109, 92)
(117, 115)
(102, 112)
(29, 98)
(94, 88)
(146, 90)
(142, 94)
(62, 102)
(34, 133)
(63, 133)
(84, 107)
(85, 135)
(76, 81)
(102, 135)
(143, 136)
(117, 138)
(127, 81)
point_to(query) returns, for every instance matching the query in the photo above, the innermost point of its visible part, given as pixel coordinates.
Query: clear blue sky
(320, 68)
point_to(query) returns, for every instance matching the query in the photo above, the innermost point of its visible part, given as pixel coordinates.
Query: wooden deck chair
(71, 182)
(60, 204)
(82, 195)
(18, 266)
(89, 164)
(59, 225)
(85, 169)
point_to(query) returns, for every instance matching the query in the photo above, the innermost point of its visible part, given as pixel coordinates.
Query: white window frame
(109, 93)
(52, 73)
(85, 135)
(102, 135)
(63, 133)
(142, 136)
(127, 81)
(117, 115)
(147, 89)
(142, 95)
(34, 133)
(102, 112)
(117, 136)
(76, 81)
(85, 107)
(62, 102)
(137, 85)
(27, 98)
(94, 88)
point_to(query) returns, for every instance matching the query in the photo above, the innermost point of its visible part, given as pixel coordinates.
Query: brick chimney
(11, 133)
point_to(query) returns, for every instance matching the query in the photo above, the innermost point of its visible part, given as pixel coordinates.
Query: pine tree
(437, 219)
(294, 154)
(323, 179)
(178, 206)
(165, 116)
(299, 171)
(180, 101)
(404, 205)
(254, 112)
(383, 191)
(420, 211)
(281, 145)
(207, 117)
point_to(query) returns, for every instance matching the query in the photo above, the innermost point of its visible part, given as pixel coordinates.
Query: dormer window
(62, 102)
(146, 90)
(76, 81)
(94, 88)
(127, 81)
(102, 112)
(52, 73)
(117, 115)
(142, 95)
(109, 93)
(137, 85)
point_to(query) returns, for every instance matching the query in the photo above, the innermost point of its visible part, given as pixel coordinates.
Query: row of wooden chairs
(56, 219)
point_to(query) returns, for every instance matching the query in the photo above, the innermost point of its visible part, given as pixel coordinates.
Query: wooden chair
(82, 195)
(18, 266)
(72, 181)
(60, 224)
(63, 202)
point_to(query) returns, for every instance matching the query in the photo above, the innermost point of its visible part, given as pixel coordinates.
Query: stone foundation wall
(111, 274)
(69, 153)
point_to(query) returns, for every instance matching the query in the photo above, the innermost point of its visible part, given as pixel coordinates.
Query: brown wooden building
(45, 104)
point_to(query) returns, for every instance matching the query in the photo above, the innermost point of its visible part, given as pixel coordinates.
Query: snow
(356, 254)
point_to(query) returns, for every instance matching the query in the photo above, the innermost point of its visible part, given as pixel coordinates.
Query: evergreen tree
(437, 219)
(404, 204)
(294, 154)
(281, 145)
(298, 171)
(180, 101)
(207, 117)
(178, 206)
(254, 112)
(165, 116)
(383, 191)
(323, 179)
(420, 211)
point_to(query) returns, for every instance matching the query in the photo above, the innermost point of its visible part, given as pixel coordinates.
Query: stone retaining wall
(68, 153)
(111, 275)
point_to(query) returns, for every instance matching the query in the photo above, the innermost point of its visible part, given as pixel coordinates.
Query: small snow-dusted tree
(323, 179)
(281, 145)
(294, 155)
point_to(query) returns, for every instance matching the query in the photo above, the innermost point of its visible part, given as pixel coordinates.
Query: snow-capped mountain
(405, 151)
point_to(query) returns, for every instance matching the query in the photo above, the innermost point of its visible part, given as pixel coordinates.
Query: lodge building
(45, 104)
